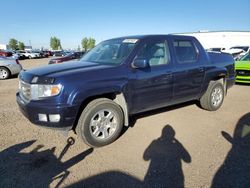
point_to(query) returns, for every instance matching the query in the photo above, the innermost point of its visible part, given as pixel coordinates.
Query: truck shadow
(135, 117)
(235, 171)
(36, 168)
(165, 170)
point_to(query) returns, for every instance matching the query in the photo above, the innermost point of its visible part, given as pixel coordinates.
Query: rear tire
(100, 123)
(4, 73)
(214, 96)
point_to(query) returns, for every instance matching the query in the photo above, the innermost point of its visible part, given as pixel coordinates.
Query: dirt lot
(174, 147)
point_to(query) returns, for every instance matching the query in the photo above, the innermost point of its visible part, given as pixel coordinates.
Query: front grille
(25, 90)
(243, 72)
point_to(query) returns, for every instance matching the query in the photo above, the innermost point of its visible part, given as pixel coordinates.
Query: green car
(242, 68)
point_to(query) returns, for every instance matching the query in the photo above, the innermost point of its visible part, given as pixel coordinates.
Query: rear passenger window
(156, 53)
(185, 51)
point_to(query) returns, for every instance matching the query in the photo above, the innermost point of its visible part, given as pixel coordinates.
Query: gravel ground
(173, 147)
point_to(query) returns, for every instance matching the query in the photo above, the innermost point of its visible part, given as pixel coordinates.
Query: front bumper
(31, 110)
(242, 75)
(242, 79)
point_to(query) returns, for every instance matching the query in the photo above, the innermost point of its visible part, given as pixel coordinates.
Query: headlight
(39, 91)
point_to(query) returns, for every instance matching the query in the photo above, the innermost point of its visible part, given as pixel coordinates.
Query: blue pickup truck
(120, 77)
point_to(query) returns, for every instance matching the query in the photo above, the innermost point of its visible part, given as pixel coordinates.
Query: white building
(222, 39)
(28, 48)
(4, 47)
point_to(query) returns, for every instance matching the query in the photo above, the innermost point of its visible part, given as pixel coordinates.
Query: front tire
(100, 123)
(214, 96)
(4, 73)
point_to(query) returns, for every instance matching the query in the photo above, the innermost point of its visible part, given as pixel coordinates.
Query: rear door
(189, 69)
(153, 86)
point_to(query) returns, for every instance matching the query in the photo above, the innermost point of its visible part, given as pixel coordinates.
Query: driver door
(153, 85)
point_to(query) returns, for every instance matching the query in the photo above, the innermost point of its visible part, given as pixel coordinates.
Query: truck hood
(75, 66)
(242, 64)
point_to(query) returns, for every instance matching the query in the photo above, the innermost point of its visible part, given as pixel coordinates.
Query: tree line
(15, 44)
(55, 44)
(87, 43)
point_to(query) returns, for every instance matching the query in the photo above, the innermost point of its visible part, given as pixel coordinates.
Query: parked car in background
(38, 52)
(5, 53)
(15, 55)
(9, 67)
(32, 54)
(22, 52)
(216, 49)
(72, 56)
(245, 49)
(18, 55)
(47, 53)
(43, 54)
(59, 54)
(242, 68)
(235, 52)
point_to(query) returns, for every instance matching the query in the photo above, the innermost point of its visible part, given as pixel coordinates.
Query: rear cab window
(186, 51)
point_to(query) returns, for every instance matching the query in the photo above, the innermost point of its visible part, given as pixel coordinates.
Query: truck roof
(150, 36)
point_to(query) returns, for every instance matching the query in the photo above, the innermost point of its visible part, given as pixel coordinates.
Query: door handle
(201, 69)
(169, 75)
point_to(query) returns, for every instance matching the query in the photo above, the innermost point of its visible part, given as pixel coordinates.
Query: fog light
(54, 117)
(42, 117)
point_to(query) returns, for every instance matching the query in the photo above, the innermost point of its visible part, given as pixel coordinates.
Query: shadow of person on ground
(235, 171)
(37, 168)
(166, 155)
(165, 169)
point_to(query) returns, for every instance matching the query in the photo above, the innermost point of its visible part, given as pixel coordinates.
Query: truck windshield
(113, 51)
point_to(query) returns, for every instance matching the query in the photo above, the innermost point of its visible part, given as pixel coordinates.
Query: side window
(185, 51)
(156, 53)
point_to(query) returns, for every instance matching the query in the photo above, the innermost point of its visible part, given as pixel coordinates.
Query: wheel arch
(221, 78)
(207, 101)
(215, 75)
(117, 97)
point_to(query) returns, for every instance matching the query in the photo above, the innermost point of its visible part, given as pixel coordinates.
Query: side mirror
(140, 63)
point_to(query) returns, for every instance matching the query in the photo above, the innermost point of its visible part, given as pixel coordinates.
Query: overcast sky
(34, 22)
